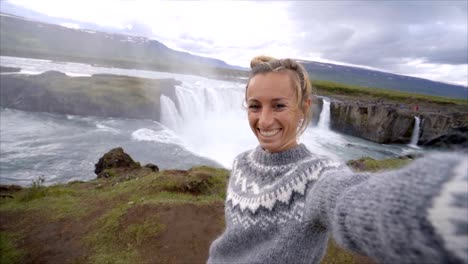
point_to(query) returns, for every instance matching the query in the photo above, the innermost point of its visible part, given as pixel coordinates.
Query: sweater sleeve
(418, 214)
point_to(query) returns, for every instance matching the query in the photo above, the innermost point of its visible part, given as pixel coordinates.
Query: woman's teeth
(269, 133)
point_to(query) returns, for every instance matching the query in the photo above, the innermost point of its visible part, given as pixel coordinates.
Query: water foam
(102, 127)
(161, 136)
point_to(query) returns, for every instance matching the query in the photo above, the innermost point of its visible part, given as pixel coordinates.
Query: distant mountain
(29, 38)
(25, 37)
(377, 79)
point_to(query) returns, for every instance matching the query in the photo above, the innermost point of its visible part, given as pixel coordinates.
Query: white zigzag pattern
(265, 220)
(443, 212)
(269, 197)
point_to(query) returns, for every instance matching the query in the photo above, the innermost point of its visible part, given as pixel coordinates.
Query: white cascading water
(324, 120)
(415, 134)
(171, 117)
(210, 119)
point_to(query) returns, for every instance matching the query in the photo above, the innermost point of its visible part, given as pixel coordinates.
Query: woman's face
(273, 111)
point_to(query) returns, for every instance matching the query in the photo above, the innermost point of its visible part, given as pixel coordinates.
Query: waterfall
(415, 135)
(171, 117)
(324, 120)
(209, 118)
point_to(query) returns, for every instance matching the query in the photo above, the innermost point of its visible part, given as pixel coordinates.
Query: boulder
(114, 159)
(152, 167)
(455, 139)
(7, 191)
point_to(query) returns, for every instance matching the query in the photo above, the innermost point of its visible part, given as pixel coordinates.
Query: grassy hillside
(134, 216)
(331, 88)
(115, 220)
(372, 78)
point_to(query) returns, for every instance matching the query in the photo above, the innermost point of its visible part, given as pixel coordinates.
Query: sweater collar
(280, 158)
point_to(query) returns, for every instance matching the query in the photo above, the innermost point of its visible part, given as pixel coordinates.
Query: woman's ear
(307, 104)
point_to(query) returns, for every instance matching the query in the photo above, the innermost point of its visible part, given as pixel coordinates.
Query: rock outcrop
(376, 123)
(100, 95)
(114, 159)
(456, 138)
(384, 123)
(316, 109)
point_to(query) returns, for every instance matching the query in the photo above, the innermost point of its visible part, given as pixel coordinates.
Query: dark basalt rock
(100, 95)
(385, 123)
(7, 191)
(114, 159)
(153, 167)
(456, 139)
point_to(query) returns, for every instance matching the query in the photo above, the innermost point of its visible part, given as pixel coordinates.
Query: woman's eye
(254, 107)
(280, 106)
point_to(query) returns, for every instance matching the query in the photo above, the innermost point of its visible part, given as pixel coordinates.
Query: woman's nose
(266, 117)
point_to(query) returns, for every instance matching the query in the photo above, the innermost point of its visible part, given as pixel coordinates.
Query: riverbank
(129, 214)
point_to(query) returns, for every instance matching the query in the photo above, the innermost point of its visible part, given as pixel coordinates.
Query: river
(208, 127)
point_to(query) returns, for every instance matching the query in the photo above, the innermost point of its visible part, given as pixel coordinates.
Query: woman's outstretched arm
(418, 214)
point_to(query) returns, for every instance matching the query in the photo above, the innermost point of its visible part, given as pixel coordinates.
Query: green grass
(336, 255)
(370, 164)
(105, 241)
(138, 233)
(9, 254)
(326, 87)
(56, 202)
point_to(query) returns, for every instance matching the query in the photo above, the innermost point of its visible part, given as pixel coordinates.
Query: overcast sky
(427, 39)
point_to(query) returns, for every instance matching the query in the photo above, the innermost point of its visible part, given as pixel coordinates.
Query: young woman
(283, 201)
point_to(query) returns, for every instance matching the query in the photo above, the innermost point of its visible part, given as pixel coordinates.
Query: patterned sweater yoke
(282, 207)
(262, 179)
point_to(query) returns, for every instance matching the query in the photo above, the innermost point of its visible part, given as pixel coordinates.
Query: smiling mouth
(269, 133)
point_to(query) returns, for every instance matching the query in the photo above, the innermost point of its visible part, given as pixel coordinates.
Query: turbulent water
(204, 124)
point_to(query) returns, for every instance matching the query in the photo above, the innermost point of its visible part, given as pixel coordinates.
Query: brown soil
(188, 231)
(47, 242)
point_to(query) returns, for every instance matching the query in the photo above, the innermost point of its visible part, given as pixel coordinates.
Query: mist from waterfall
(210, 119)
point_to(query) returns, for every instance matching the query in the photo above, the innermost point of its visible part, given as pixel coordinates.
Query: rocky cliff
(98, 95)
(392, 123)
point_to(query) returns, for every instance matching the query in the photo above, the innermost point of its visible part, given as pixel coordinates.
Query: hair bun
(260, 59)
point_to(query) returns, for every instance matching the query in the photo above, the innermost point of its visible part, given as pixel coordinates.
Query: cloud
(419, 38)
(374, 33)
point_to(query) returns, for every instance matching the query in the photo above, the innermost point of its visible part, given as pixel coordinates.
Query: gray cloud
(384, 33)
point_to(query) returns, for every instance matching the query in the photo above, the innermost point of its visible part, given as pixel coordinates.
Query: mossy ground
(370, 164)
(144, 219)
(99, 215)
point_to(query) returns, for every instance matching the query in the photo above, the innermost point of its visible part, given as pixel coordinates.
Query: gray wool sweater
(282, 207)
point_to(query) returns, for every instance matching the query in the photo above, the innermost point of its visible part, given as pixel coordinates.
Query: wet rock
(114, 159)
(455, 139)
(152, 167)
(7, 191)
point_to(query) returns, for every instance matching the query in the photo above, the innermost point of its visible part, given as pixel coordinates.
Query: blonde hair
(298, 75)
